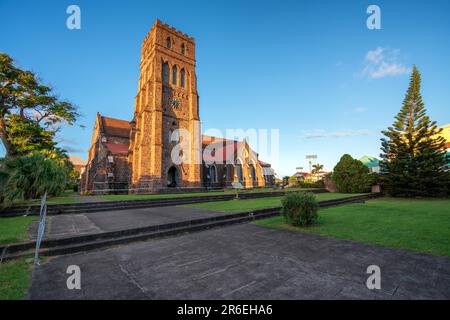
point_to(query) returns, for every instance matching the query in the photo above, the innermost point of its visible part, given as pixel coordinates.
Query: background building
(372, 163)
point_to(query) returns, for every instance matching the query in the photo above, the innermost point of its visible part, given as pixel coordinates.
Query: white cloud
(360, 109)
(73, 149)
(323, 134)
(383, 62)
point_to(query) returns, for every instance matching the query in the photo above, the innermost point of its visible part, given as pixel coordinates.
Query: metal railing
(41, 229)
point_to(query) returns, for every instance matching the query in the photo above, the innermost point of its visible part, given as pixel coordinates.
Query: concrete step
(96, 241)
(60, 246)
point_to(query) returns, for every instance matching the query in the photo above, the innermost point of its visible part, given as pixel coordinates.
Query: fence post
(41, 229)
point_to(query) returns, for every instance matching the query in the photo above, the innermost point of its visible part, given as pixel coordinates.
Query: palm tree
(317, 168)
(29, 177)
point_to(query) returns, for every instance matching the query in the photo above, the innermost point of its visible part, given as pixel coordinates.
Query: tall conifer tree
(414, 158)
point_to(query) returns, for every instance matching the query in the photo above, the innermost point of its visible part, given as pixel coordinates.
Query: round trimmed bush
(300, 208)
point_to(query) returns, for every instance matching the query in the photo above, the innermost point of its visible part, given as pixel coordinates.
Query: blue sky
(311, 69)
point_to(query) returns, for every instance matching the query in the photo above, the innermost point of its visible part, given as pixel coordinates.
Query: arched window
(213, 173)
(182, 78)
(239, 170)
(253, 172)
(168, 42)
(225, 172)
(165, 73)
(174, 75)
(183, 49)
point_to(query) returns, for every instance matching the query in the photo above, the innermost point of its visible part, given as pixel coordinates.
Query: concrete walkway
(68, 225)
(244, 262)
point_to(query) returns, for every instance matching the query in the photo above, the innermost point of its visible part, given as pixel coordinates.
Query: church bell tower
(166, 102)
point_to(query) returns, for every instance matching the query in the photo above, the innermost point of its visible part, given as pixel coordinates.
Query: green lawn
(126, 197)
(14, 279)
(418, 225)
(70, 197)
(255, 204)
(15, 229)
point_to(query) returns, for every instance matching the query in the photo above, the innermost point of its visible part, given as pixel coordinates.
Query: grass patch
(15, 229)
(14, 279)
(126, 197)
(69, 197)
(417, 225)
(255, 204)
(61, 200)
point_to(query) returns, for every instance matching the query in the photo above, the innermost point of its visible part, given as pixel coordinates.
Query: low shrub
(300, 208)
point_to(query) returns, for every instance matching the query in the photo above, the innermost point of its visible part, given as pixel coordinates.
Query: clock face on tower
(169, 101)
(175, 103)
(172, 100)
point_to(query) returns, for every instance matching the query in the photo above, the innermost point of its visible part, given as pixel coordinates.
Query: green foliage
(413, 158)
(300, 208)
(29, 177)
(311, 183)
(351, 176)
(308, 182)
(30, 114)
(25, 136)
(317, 168)
(294, 181)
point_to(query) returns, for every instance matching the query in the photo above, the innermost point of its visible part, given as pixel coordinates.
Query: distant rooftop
(370, 161)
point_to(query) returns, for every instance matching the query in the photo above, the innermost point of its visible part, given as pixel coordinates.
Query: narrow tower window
(165, 73)
(183, 49)
(182, 78)
(174, 75)
(169, 42)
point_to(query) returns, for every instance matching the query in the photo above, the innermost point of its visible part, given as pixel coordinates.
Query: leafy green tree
(351, 175)
(30, 114)
(29, 177)
(25, 136)
(413, 158)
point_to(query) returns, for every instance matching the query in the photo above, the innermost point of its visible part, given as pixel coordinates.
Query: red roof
(303, 174)
(219, 152)
(116, 127)
(447, 145)
(117, 148)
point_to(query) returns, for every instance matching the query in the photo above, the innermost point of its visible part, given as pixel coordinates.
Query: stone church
(138, 156)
